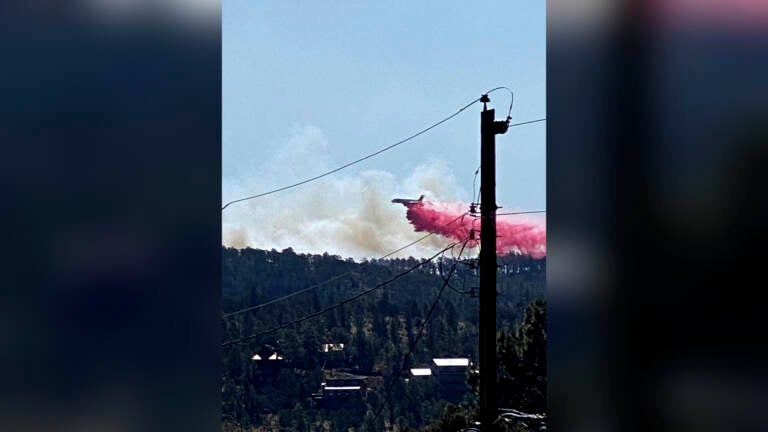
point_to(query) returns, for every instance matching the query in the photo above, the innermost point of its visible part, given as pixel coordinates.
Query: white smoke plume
(348, 214)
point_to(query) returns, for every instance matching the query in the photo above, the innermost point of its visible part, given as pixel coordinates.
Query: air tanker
(408, 202)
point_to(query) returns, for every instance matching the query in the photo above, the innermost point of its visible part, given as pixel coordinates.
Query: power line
(528, 122)
(424, 237)
(420, 333)
(411, 243)
(312, 287)
(434, 125)
(286, 297)
(511, 98)
(521, 212)
(339, 304)
(474, 184)
(456, 259)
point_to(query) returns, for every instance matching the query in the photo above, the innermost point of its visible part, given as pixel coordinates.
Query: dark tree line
(377, 331)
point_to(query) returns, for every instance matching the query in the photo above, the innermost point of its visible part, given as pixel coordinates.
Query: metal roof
(451, 361)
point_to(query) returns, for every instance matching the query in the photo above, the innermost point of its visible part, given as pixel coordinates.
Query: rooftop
(451, 362)
(274, 356)
(329, 347)
(421, 371)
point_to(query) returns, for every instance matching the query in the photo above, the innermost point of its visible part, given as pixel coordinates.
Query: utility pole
(489, 128)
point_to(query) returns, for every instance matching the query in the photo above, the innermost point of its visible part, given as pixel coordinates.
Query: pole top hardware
(500, 126)
(485, 99)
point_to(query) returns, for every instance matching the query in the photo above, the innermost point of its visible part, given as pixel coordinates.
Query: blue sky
(312, 85)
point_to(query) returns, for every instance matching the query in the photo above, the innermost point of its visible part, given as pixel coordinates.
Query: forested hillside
(376, 330)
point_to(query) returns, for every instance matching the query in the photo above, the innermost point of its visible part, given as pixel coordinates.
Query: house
(268, 365)
(451, 375)
(331, 347)
(339, 388)
(421, 372)
(333, 354)
(335, 393)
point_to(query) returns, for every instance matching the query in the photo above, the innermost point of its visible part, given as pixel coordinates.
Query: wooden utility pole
(489, 128)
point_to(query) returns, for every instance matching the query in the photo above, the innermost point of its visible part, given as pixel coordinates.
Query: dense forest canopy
(376, 331)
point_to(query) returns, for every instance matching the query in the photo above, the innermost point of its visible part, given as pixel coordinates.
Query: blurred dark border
(110, 123)
(656, 138)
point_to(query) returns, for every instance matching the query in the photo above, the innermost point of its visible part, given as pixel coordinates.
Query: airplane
(408, 202)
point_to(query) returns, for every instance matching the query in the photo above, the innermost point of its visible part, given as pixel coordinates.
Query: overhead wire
(381, 285)
(528, 122)
(287, 296)
(391, 146)
(442, 273)
(511, 98)
(474, 185)
(337, 277)
(327, 173)
(520, 212)
(410, 244)
(453, 288)
(338, 304)
(418, 335)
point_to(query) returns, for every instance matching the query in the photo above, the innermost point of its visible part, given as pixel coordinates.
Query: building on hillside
(336, 392)
(333, 355)
(451, 376)
(268, 366)
(332, 347)
(421, 372)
